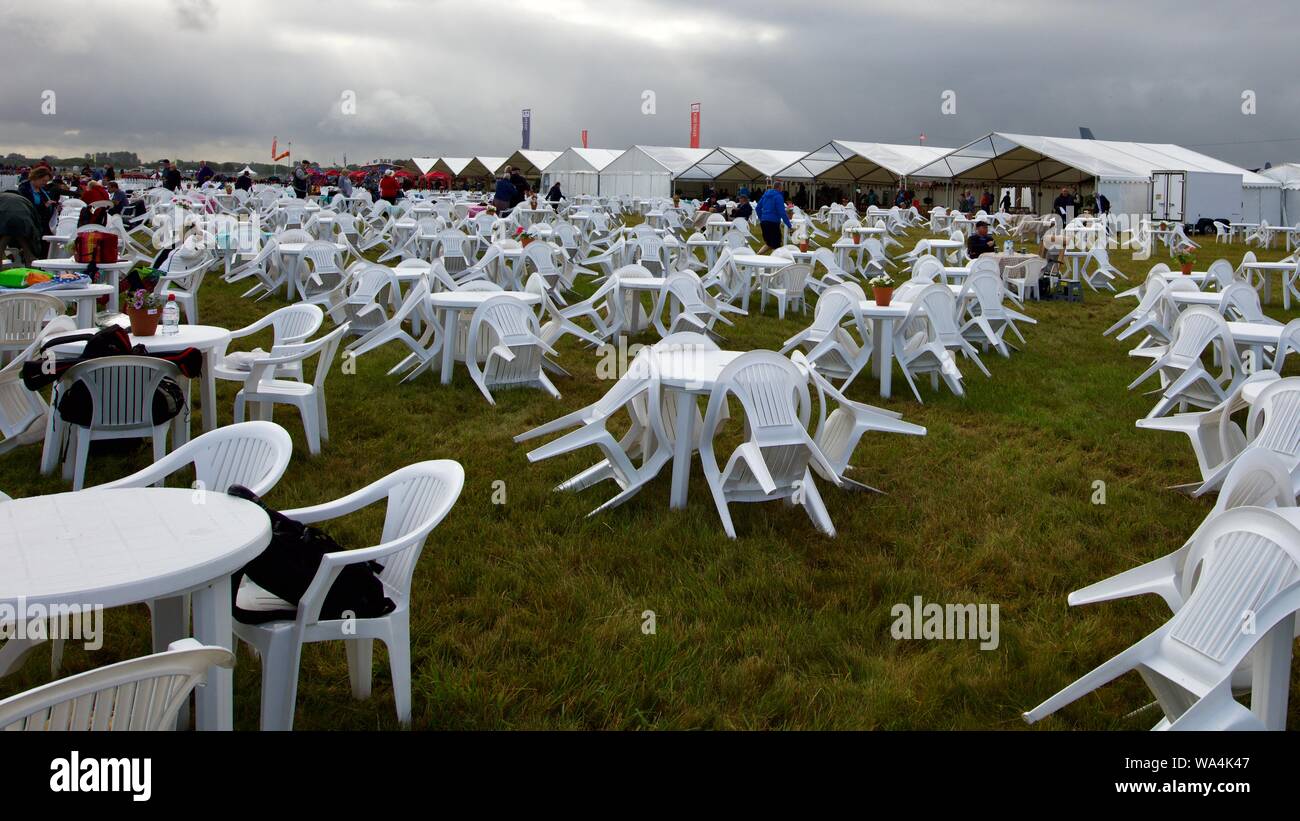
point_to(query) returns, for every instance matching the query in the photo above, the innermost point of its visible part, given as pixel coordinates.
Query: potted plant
(1185, 259)
(144, 309)
(523, 238)
(882, 288)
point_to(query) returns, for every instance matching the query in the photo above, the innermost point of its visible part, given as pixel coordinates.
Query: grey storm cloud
(220, 78)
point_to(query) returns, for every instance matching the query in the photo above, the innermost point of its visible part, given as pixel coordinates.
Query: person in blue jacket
(771, 213)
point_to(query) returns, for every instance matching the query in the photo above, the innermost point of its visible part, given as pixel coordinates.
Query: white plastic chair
(839, 432)
(417, 498)
(290, 325)
(1258, 479)
(23, 412)
(1184, 378)
(144, 694)
(1248, 560)
(1272, 424)
(514, 348)
(252, 454)
(987, 318)
(787, 286)
(774, 461)
(121, 390)
(930, 350)
(828, 347)
(22, 316)
(263, 390)
(638, 392)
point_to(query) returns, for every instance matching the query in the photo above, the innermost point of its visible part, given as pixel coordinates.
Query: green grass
(528, 614)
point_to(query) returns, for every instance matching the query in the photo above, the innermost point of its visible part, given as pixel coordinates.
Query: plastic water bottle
(171, 316)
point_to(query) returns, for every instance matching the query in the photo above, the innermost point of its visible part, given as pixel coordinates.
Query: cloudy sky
(219, 78)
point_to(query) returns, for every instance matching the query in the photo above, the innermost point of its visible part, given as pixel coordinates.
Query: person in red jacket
(389, 188)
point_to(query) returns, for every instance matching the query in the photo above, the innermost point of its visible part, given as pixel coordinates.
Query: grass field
(528, 615)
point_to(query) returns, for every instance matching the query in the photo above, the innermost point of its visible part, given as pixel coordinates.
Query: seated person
(742, 209)
(119, 198)
(980, 242)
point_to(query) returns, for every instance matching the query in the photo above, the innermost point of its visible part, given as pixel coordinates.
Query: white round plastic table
(294, 250)
(692, 371)
(109, 548)
(208, 339)
(109, 273)
(84, 299)
(451, 303)
(944, 246)
(749, 263)
(631, 288)
(1264, 268)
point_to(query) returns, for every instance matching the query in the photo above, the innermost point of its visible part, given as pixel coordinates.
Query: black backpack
(74, 403)
(289, 563)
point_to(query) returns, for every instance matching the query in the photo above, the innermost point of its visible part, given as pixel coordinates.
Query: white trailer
(1191, 196)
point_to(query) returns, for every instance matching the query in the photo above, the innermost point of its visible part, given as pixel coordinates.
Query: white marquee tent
(425, 164)
(530, 162)
(455, 166)
(648, 170)
(577, 170)
(1119, 170)
(740, 165)
(859, 162)
(483, 167)
(1288, 176)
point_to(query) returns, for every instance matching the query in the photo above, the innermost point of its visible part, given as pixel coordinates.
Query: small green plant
(1184, 257)
(881, 281)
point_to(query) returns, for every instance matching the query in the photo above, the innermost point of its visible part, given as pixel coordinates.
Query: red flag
(584, 138)
(695, 125)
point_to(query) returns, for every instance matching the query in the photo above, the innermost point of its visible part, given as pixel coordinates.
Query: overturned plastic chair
(1248, 561)
(775, 461)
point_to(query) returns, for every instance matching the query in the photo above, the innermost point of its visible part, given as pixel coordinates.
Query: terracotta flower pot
(803, 247)
(526, 240)
(1187, 268)
(857, 238)
(144, 321)
(882, 296)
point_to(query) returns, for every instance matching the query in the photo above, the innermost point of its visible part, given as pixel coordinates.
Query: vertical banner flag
(695, 125)
(528, 128)
(584, 138)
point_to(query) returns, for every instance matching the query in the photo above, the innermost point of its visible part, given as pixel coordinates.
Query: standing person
(21, 228)
(204, 173)
(109, 174)
(771, 213)
(171, 176)
(244, 182)
(986, 200)
(555, 194)
(345, 185)
(522, 188)
(1063, 205)
(389, 187)
(1100, 204)
(504, 195)
(35, 190)
(1005, 205)
(301, 180)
